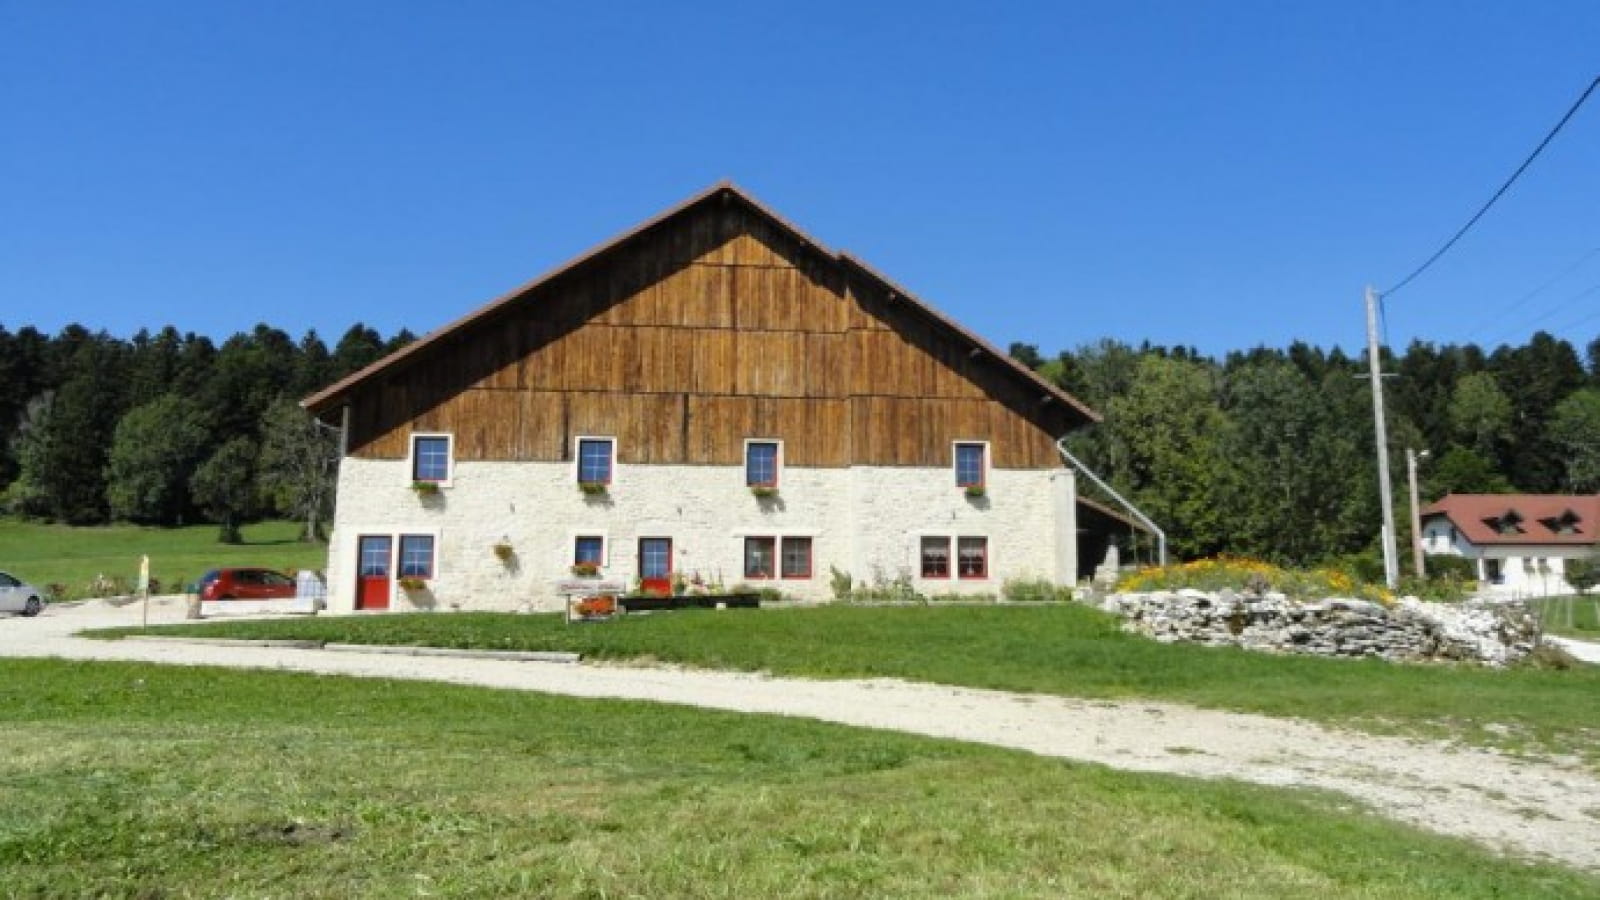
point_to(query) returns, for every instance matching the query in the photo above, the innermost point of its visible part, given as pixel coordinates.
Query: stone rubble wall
(1487, 633)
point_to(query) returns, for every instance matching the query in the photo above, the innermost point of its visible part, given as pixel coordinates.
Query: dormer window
(1509, 523)
(1566, 523)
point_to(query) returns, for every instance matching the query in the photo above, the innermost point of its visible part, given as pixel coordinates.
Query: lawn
(61, 554)
(1052, 649)
(1577, 617)
(135, 780)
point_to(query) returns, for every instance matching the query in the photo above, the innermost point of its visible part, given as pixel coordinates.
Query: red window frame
(932, 542)
(771, 546)
(982, 544)
(783, 557)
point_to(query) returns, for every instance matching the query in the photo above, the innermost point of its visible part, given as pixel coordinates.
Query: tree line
(1264, 452)
(1270, 452)
(169, 428)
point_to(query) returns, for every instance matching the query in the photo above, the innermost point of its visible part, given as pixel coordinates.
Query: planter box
(650, 602)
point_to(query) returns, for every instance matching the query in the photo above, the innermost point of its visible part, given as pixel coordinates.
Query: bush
(1582, 573)
(840, 582)
(1439, 590)
(1457, 568)
(1038, 590)
(1253, 576)
(883, 590)
(1363, 567)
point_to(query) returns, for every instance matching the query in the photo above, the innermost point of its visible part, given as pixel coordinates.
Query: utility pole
(1391, 568)
(1416, 516)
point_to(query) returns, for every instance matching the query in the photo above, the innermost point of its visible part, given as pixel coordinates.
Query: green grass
(1067, 650)
(1576, 617)
(132, 780)
(62, 554)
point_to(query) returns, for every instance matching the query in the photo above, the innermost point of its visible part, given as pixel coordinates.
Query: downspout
(1161, 536)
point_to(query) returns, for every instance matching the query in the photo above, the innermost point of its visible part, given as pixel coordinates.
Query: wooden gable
(714, 324)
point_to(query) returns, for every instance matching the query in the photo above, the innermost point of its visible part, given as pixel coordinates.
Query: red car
(245, 584)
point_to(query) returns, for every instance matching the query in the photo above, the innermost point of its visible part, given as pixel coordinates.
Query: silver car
(19, 596)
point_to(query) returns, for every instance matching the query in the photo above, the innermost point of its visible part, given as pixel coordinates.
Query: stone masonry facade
(867, 521)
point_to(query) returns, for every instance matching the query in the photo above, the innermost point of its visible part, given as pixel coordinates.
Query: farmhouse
(713, 396)
(1520, 543)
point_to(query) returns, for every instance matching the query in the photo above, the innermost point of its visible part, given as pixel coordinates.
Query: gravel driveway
(1543, 810)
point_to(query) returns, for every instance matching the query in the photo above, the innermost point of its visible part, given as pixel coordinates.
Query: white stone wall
(863, 520)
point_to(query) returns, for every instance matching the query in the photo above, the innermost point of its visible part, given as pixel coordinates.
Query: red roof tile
(1486, 519)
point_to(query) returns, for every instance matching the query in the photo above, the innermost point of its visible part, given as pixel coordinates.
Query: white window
(971, 463)
(762, 460)
(432, 459)
(595, 459)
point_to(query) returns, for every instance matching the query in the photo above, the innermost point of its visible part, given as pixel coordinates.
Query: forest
(1264, 452)
(1269, 453)
(169, 428)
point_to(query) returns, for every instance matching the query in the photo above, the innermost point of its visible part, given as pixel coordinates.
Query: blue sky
(1221, 175)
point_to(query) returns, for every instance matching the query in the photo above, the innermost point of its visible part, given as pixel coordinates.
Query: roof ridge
(727, 187)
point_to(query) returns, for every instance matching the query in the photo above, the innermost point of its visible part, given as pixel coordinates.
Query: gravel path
(1530, 809)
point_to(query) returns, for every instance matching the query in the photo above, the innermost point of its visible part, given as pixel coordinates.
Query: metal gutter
(1161, 536)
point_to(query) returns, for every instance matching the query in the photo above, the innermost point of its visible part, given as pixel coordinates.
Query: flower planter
(653, 602)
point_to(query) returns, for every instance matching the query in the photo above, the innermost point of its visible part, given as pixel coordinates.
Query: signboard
(590, 586)
(591, 599)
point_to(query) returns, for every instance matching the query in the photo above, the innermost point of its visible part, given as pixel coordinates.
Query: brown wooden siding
(690, 339)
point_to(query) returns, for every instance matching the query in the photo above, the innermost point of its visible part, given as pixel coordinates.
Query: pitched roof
(1490, 519)
(329, 397)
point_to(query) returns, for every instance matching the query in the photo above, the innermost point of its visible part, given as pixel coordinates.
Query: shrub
(1038, 590)
(883, 590)
(1241, 574)
(1458, 568)
(1582, 573)
(1440, 590)
(840, 582)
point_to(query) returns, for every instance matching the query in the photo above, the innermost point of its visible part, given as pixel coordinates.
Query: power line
(1591, 289)
(1479, 326)
(1503, 188)
(1583, 321)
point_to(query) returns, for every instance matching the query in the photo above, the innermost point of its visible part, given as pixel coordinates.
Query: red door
(372, 580)
(655, 566)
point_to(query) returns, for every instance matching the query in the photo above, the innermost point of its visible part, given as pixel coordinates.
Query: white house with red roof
(1520, 542)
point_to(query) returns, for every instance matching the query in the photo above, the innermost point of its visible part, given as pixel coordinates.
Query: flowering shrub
(1254, 575)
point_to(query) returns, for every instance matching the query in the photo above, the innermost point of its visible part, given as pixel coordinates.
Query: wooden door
(655, 566)
(373, 563)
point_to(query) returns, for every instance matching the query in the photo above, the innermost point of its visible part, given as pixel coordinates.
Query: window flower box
(976, 490)
(425, 488)
(592, 488)
(763, 491)
(413, 583)
(586, 570)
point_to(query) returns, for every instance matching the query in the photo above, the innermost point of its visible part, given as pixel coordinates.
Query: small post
(1416, 515)
(144, 589)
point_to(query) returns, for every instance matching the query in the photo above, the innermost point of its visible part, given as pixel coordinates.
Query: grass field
(61, 554)
(1577, 617)
(1067, 650)
(130, 780)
